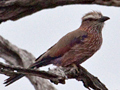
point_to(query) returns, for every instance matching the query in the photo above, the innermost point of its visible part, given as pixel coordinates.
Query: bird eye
(91, 19)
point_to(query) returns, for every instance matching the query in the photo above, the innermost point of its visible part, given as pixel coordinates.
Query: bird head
(94, 19)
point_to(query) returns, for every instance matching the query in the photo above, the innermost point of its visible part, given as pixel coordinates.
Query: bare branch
(15, 9)
(11, 70)
(21, 58)
(58, 75)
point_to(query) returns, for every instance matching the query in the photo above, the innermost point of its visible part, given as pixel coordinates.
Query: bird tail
(14, 78)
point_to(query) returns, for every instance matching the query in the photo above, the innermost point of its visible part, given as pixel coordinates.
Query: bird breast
(89, 45)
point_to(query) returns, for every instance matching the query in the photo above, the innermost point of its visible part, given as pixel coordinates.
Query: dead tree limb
(58, 75)
(16, 9)
(21, 58)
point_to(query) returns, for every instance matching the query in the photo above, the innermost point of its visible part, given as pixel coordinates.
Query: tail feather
(40, 63)
(12, 79)
(37, 64)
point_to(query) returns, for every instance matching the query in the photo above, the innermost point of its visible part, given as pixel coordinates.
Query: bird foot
(76, 68)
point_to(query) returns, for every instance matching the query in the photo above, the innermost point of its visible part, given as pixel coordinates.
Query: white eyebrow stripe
(89, 16)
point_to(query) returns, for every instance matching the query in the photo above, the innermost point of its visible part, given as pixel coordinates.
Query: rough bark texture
(15, 9)
(21, 58)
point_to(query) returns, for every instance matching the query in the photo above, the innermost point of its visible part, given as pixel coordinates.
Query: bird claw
(75, 68)
(56, 81)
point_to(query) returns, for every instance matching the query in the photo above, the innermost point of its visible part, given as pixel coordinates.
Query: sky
(38, 32)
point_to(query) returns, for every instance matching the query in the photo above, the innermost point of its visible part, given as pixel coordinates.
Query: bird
(75, 47)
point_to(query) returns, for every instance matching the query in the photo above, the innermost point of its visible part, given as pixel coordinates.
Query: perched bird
(75, 47)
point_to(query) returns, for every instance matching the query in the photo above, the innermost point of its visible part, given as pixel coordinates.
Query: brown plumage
(75, 47)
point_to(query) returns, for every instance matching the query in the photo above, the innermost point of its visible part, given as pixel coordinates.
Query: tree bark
(16, 9)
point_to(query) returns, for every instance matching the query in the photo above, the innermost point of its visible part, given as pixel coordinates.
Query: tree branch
(21, 58)
(16, 9)
(11, 70)
(58, 75)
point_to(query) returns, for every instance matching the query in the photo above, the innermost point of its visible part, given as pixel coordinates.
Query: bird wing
(61, 47)
(66, 43)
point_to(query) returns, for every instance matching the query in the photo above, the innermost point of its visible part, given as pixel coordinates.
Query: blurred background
(39, 31)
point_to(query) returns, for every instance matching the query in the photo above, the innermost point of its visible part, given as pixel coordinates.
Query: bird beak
(103, 19)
